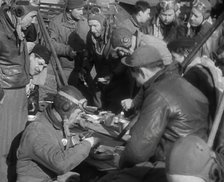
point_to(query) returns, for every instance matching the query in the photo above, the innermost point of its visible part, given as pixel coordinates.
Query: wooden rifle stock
(216, 122)
(56, 64)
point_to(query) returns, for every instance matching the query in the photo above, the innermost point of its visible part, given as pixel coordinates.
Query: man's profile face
(167, 16)
(196, 18)
(95, 28)
(37, 64)
(77, 13)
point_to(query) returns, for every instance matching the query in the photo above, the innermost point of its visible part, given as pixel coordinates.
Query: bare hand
(104, 80)
(94, 141)
(127, 104)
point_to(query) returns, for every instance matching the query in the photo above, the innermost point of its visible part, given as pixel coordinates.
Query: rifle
(56, 63)
(216, 123)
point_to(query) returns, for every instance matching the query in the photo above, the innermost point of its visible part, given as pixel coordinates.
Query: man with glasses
(47, 148)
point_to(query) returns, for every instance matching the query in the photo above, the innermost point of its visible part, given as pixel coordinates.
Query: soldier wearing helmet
(199, 23)
(111, 78)
(166, 24)
(47, 149)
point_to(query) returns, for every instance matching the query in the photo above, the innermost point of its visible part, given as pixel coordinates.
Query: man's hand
(94, 141)
(127, 104)
(104, 80)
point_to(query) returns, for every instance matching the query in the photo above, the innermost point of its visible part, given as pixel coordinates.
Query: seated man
(47, 149)
(192, 160)
(171, 108)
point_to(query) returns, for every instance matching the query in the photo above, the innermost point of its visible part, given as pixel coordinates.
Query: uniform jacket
(14, 59)
(41, 154)
(172, 108)
(62, 31)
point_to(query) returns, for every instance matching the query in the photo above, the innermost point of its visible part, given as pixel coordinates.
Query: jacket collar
(134, 21)
(171, 69)
(66, 22)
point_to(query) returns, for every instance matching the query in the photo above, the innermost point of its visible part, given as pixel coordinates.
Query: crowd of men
(118, 62)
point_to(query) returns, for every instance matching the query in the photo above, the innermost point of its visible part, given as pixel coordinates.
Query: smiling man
(39, 59)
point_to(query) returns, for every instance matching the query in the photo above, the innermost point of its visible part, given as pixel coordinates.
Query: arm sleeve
(62, 49)
(88, 63)
(146, 133)
(51, 155)
(138, 99)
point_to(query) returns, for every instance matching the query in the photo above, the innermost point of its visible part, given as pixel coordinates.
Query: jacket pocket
(13, 76)
(11, 70)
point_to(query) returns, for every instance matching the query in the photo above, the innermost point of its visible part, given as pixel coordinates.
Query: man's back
(172, 108)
